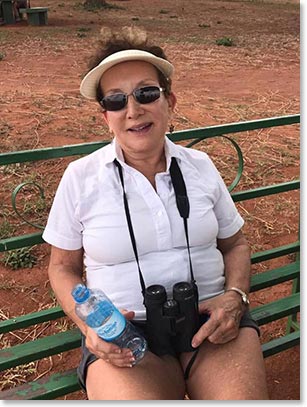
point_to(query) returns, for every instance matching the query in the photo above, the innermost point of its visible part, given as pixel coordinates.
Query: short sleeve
(226, 212)
(63, 229)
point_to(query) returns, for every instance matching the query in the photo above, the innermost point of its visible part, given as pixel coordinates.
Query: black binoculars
(171, 324)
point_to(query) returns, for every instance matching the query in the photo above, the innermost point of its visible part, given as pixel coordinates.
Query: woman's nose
(134, 108)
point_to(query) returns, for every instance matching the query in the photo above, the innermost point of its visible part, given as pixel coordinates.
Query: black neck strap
(182, 205)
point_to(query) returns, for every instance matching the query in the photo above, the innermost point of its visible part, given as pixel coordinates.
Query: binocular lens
(155, 294)
(182, 291)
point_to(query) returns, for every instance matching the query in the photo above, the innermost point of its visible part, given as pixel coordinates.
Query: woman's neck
(153, 164)
(149, 166)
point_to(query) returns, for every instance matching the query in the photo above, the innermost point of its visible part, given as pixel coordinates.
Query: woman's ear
(105, 117)
(106, 120)
(172, 101)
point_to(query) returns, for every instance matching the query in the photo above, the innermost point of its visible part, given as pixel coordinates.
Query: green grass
(6, 229)
(225, 41)
(19, 258)
(96, 6)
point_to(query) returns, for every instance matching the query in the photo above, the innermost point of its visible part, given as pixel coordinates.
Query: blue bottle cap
(80, 293)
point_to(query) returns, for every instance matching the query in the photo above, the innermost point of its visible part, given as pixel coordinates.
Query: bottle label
(113, 327)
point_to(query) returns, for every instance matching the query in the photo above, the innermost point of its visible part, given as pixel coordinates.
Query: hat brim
(91, 80)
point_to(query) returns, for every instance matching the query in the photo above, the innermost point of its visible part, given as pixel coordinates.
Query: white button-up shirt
(88, 212)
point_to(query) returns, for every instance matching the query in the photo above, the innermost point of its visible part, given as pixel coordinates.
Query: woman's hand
(108, 351)
(225, 313)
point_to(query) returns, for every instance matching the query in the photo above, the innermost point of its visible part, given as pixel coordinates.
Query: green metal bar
(277, 309)
(35, 238)
(50, 345)
(46, 388)
(17, 242)
(281, 344)
(211, 131)
(273, 277)
(265, 191)
(60, 384)
(295, 325)
(50, 153)
(275, 252)
(240, 164)
(197, 133)
(292, 323)
(27, 320)
(240, 159)
(40, 348)
(14, 196)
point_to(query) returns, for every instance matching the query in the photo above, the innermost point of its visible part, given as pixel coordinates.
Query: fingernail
(118, 351)
(194, 344)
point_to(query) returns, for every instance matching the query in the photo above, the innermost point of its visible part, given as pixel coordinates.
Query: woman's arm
(225, 310)
(236, 254)
(65, 271)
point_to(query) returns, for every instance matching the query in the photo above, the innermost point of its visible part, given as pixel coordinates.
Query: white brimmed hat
(91, 80)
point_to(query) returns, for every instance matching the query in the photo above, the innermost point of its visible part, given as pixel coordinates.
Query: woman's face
(139, 128)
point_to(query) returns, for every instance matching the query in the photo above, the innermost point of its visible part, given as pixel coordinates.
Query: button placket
(157, 209)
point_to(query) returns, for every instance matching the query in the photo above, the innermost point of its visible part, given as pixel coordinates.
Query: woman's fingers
(108, 351)
(123, 359)
(223, 324)
(118, 357)
(205, 331)
(127, 314)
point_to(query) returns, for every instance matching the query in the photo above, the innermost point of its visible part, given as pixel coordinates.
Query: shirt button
(159, 213)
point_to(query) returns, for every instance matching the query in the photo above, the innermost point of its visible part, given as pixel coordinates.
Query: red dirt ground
(257, 77)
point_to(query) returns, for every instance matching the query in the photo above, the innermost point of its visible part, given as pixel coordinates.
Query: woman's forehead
(126, 71)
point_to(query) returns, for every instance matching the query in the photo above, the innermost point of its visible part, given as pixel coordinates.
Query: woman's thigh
(154, 378)
(232, 371)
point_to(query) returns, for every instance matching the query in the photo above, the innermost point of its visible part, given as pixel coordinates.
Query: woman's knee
(152, 379)
(232, 371)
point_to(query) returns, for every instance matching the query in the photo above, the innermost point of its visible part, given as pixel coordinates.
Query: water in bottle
(99, 313)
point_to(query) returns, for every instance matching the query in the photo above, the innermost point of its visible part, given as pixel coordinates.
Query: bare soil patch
(256, 77)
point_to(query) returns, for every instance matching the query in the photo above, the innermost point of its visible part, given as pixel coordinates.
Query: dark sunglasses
(118, 101)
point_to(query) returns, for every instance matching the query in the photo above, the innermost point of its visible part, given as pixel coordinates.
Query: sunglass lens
(114, 102)
(147, 94)
(118, 101)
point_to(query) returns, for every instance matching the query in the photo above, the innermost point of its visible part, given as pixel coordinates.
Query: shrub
(227, 42)
(19, 258)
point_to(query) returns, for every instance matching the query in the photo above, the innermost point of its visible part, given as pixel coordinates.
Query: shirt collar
(170, 148)
(115, 151)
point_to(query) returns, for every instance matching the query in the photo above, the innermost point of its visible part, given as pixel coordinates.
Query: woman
(131, 80)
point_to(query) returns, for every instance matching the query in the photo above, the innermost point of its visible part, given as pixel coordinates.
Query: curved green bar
(14, 195)
(239, 153)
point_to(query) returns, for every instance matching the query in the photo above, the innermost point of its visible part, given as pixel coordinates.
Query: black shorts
(88, 357)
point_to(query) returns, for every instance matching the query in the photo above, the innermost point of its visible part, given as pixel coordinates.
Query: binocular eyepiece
(171, 323)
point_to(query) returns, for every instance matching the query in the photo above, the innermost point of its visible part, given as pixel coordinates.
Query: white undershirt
(88, 212)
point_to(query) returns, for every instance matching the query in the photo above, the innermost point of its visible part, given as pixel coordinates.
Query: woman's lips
(142, 128)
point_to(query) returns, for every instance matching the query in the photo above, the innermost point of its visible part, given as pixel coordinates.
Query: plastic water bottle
(99, 313)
